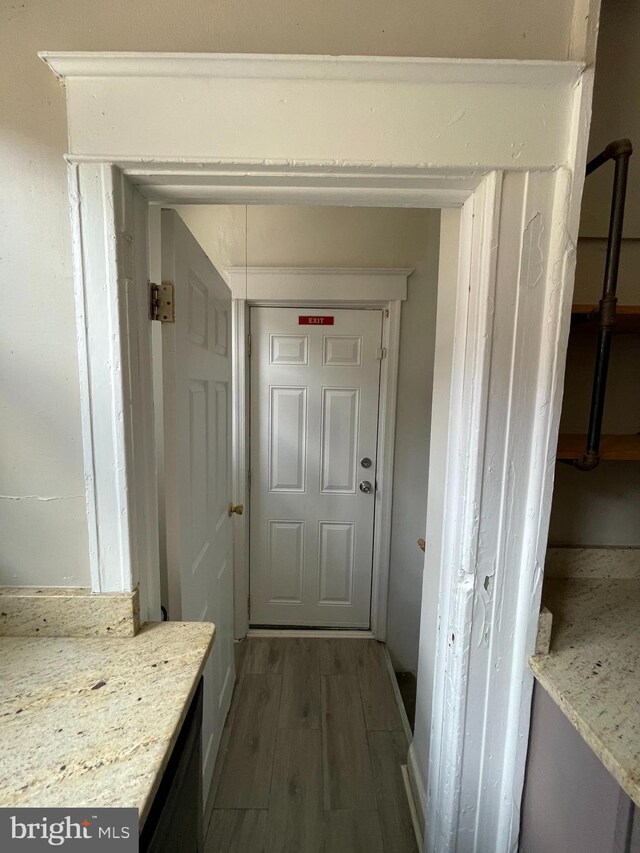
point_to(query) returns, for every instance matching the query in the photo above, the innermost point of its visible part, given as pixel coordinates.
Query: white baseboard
(397, 694)
(415, 820)
(417, 811)
(312, 633)
(418, 793)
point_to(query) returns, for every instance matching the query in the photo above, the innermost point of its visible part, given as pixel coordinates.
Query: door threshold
(313, 633)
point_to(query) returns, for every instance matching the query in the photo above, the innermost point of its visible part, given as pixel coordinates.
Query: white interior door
(315, 379)
(197, 426)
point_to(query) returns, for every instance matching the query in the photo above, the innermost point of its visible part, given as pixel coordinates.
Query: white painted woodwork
(506, 140)
(114, 347)
(196, 362)
(448, 276)
(240, 425)
(314, 415)
(263, 284)
(430, 108)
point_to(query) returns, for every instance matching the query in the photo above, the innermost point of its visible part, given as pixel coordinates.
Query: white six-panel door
(197, 424)
(315, 377)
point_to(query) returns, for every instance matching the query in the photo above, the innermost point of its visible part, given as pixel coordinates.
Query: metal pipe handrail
(617, 148)
(620, 151)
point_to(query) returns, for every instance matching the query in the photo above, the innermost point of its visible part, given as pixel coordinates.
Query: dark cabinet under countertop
(174, 823)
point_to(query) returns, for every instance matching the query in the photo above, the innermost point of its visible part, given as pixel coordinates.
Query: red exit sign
(311, 320)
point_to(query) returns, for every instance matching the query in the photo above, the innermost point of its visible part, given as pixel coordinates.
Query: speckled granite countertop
(593, 670)
(92, 721)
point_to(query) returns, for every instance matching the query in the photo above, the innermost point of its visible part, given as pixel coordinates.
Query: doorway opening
(159, 128)
(333, 332)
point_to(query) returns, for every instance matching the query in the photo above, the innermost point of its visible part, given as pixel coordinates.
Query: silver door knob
(366, 487)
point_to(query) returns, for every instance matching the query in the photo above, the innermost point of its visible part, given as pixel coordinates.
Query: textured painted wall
(42, 517)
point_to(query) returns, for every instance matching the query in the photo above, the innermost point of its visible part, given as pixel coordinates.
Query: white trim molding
(259, 66)
(447, 114)
(327, 288)
(109, 234)
(417, 785)
(317, 284)
(504, 141)
(311, 633)
(240, 464)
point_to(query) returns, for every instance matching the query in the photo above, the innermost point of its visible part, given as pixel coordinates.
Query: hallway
(311, 753)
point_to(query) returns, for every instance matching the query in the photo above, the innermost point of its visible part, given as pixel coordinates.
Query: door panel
(336, 562)
(286, 560)
(340, 408)
(287, 439)
(197, 425)
(314, 416)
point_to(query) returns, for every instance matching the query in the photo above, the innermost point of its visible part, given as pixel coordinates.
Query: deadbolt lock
(238, 509)
(365, 462)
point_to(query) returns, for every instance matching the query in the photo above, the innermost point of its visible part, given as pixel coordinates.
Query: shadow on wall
(599, 507)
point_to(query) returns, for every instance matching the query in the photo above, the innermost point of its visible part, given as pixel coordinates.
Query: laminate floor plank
(311, 752)
(337, 657)
(265, 655)
(245, 781)
(388, 751)
(295, 823)
(237, 831)
(353, 832)
(300, 706)
(378, 699)
(348, 780)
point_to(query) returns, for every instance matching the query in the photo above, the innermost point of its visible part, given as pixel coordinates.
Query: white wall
(361, 237)
(42, 519)
(408, 523)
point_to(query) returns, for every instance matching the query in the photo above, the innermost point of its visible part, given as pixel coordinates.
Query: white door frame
(504, 140)
(385, 289)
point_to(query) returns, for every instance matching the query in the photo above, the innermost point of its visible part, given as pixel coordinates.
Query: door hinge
(381, 353)
(249, 346)
(162, 304)
(249, 480)
(248, 605)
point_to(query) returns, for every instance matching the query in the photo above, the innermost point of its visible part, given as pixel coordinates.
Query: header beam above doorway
(318, 284)
(424, 113)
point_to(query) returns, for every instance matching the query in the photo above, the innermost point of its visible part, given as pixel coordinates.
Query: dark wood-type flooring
(311, 753)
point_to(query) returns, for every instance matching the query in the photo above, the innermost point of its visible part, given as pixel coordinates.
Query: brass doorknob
(238, 509)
